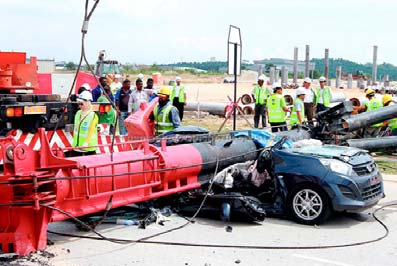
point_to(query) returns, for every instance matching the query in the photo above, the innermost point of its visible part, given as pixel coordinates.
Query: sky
(169, 31)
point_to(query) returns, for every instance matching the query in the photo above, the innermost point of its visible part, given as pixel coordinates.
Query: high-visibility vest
(275, 104)
(294, 115)
(260, 94)
(372, 105)
(82, 129)
(181, 96)
(162, 120)
(326, 96)
(392, 124)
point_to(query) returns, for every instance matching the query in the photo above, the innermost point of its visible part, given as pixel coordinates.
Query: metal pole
(307, 61)
(326, 66)
(374, 66)
(235, 87)
(295, 65)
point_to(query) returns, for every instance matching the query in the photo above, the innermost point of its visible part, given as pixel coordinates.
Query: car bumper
(358, 193)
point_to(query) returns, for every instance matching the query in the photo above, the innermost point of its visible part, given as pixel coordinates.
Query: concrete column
(338, 76)
(260, 70)
(350, 81)
(307, 59)
(277, 75)
(374, 66)
(271, 75)
(284, 75)
(360, 83)
(386, 80)
(326, 66)
(295, 65)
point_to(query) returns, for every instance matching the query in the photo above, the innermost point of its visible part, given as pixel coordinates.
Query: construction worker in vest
(85, 127)
(298, 110)
(371, 105)
(277, 108)
(165, 115)
(260, 94)
(392, 123)
(178, 96)
(324, 96)
(309, 101)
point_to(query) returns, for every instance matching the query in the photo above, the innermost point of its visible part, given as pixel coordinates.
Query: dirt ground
(212, 89)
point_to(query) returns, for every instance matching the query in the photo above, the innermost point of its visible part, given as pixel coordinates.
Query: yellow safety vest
(162, 120)
(260, 94)
(275, 104)
(181, 96)
(84, 128)
(294, 115)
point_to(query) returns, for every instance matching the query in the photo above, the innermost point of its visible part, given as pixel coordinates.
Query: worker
(140, 76)
(372, 104)
(150, 89)
(178, 96)
(122, 99)
(137, 97)
(165, 115)
(309, 101)
(97, 91)
(298, 110)
(116, 84)
(260, 94)
(108, 118)
(85, 127)
(324, 96)
(392, 123)
(277, 108)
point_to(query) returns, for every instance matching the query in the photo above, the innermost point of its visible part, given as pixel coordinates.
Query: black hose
(169, 243)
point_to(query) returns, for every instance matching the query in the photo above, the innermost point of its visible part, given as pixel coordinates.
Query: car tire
(308, 205)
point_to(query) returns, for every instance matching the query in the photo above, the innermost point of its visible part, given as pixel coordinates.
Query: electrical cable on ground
(145, 241)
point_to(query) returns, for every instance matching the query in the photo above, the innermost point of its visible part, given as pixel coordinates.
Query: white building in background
(46, 65)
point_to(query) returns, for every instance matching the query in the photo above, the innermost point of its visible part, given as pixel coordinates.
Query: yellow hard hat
(387, 98)
(165, 91)
(369, 91)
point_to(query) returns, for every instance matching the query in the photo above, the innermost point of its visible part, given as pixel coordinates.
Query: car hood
(329, 151)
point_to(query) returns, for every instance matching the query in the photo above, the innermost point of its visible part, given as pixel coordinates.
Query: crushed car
(305, 181)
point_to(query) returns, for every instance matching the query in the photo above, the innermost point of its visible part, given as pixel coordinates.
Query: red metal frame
(38, 178)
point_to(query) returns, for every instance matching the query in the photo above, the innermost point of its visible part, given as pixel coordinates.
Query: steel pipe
(374, 144)
(369, 118)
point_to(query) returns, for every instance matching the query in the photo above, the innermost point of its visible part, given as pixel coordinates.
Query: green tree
(70, 66)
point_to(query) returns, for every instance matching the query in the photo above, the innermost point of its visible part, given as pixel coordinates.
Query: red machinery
(32, 180)
(26, 103)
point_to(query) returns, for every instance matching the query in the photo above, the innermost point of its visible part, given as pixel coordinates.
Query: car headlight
(338, 166)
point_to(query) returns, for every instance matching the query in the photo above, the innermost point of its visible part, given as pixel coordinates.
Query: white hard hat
(277, 85)
(85, 95)
(140, 76)
(322, 78)
(117, 76)
(86, 86)
(307, 80)
(178, 79)
(261, 77)
(301, 91)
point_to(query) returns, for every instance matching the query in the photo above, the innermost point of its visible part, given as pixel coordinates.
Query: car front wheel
(309, 205)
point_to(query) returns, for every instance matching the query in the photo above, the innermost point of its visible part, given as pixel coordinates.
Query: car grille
(371, 192)
(365, 169)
